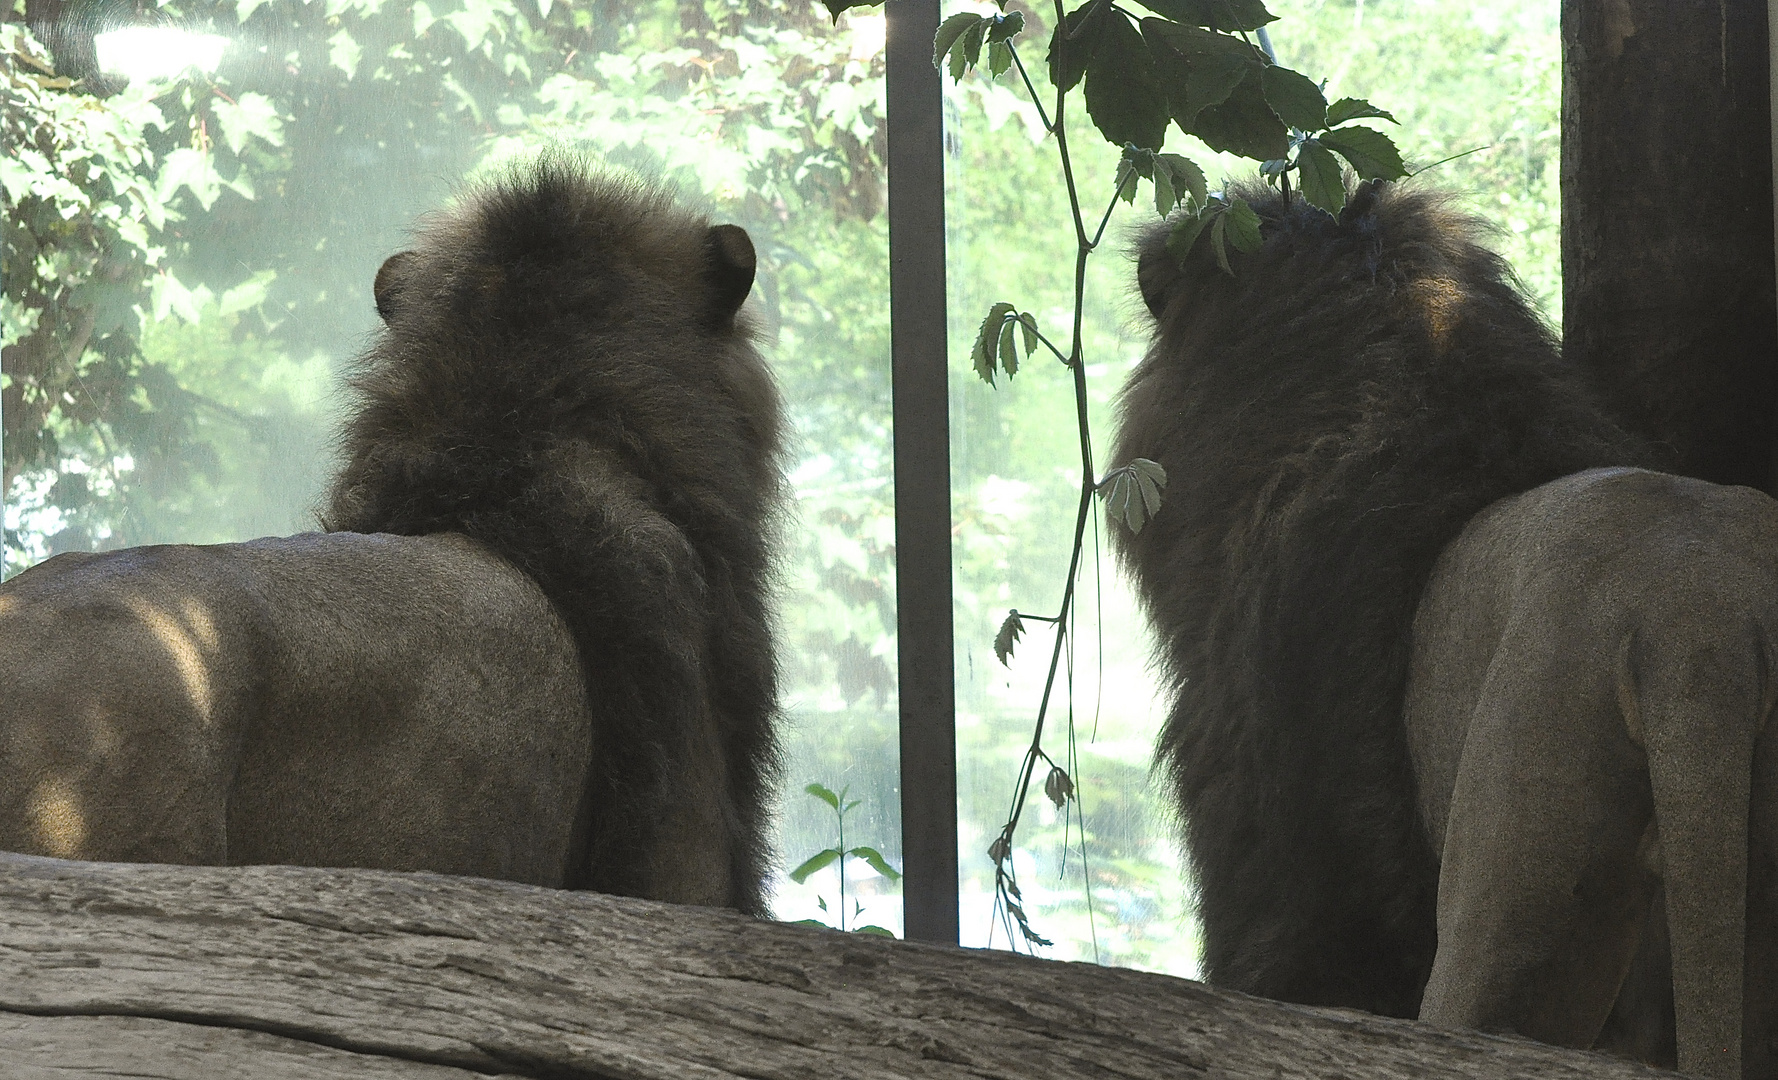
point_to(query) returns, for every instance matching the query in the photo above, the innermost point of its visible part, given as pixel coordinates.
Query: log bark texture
(111, 970)
(1668, 287)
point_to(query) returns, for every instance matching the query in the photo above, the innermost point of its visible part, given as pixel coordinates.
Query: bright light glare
(157, 52)
(868, 34)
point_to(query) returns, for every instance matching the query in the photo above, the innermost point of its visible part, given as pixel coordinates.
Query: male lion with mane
(534, 644)
(1442, 748)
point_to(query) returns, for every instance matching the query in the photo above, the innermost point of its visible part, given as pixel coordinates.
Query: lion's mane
(564, 376)
(1329, 417)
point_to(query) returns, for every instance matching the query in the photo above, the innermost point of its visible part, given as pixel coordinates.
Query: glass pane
(197, 199)
(1461, 76)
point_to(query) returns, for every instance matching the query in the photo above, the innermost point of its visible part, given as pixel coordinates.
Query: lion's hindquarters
(1699, 705)
(1541, 895)
(1606, 739)
(426, 711)
(119, 717)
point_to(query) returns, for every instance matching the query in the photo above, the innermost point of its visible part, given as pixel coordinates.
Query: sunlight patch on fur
(57, 818)
(1440, 303)
(182, 642)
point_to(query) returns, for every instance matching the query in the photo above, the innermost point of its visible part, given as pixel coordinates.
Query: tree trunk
(1668, 283)
(279, 972)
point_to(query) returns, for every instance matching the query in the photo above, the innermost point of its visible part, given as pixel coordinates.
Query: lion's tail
(1701, 705)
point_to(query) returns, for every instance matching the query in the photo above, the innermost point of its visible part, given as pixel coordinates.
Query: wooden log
(110, 970)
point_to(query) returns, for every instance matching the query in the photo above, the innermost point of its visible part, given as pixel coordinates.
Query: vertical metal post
(922, 473)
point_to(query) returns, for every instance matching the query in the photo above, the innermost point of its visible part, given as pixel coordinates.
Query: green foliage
(243, 196)
(836, 856)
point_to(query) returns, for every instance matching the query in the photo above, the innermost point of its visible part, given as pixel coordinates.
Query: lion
(535, 642)
(1593, 669)
(1330, 417)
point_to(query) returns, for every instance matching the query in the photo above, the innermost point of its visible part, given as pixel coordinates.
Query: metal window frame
(917, 326)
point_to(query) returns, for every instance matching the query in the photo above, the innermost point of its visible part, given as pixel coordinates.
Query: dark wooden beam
(1667, 232)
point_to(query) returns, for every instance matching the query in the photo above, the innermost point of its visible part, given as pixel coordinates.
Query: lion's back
(245, 703)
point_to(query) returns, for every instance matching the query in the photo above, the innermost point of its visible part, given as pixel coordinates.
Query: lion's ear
(731, 267)
(1157, 273)
(391, 279)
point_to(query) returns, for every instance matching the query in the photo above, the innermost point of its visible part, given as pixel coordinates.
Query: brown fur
(565, 377)
(1329, 416)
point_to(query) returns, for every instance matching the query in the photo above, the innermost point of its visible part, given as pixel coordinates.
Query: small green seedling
(839, 854)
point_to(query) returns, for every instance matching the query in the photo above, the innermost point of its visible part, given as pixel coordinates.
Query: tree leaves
(1132, 493)
(1000, 37)
(1124, 98)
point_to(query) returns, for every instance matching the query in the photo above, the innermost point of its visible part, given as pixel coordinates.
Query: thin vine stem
(1084, 247)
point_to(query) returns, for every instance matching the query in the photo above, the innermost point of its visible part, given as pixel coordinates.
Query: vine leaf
(1032, 936)
(824, 795)
(1009, 349)
(1058, 786)
(1076, 42)
(1195, 68)
(1124, 98)
(1006, 26)
(1132, 493)
(1226, 15)
(968, 48)
(1318, 176)
(1372, 154)
(1295, 98)
(1185, 234)
(1348, 108)
(836, 8)
(1244, 124)
(945, 41)
(988, 341)
(1011, 629)
(1244, 231)
(1185, 174)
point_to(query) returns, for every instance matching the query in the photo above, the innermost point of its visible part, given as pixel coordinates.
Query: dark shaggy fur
(1329, 417)
(565, 376)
